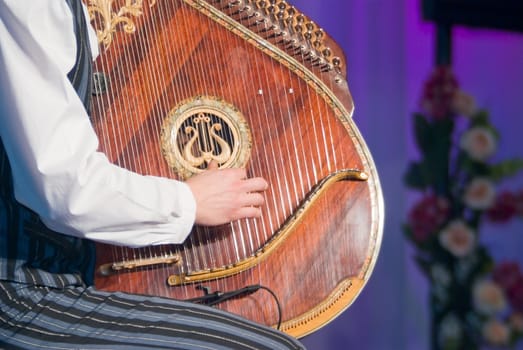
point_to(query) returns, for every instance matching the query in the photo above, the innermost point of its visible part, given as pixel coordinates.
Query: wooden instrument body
(316, 244)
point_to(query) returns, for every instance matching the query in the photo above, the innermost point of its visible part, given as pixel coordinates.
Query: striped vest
(29, 251)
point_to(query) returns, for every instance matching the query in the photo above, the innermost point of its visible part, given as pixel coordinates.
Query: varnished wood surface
(298, 139)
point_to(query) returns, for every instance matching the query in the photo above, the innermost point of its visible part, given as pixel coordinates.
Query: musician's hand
(225, 195)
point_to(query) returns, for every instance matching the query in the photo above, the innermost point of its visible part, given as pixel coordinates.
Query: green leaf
(432, 135)
(473, 167)
(422, 132)
(506, 168)
(483, 266)
(417, 176)
(481, 118)
(434, 138)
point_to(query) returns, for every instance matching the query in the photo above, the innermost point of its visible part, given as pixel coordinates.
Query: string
(164, 23)
(113, 136)
(154, 76)
(235, 251)
(180, 92)
(275, 148)
(201, 234)
(260, 92)
(213, 87)
(131, 124)
(252, 241)
(162, 10)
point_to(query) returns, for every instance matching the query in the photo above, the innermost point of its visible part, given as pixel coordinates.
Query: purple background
(390, 52)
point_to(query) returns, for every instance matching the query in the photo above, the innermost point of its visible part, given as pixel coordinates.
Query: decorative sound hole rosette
(204, 129)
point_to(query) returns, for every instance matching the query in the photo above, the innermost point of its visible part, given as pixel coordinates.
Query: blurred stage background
(390, 53)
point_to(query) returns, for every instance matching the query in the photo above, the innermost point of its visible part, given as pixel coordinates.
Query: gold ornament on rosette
(203, 129)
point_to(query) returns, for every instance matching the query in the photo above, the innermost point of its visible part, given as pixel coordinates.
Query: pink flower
(488, 297)
(464, 104)
(479, 143)
(438, 93)
(496, 333)
(504, 207)
(479, 194)
(427, 216)
(457, 238)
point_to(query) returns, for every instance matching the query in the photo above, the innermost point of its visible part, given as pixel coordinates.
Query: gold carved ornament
(109, 20)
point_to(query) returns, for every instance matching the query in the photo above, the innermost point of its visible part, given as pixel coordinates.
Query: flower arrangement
(474, 301)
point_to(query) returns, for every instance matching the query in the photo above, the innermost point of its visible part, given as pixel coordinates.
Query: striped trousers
(76, 317)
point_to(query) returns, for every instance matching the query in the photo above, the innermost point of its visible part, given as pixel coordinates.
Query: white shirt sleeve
(52, 146)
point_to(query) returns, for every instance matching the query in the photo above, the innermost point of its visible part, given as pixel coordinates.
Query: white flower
(479, 143)
(480, 194)
(496, 333)
(464, 104)
(488, 297)
(457, 238)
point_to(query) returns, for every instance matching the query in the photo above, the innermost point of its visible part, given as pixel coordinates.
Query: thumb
(213, 165)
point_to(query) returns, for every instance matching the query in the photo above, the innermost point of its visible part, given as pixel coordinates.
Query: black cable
(277, 304)
(229, 295)
(214, 298)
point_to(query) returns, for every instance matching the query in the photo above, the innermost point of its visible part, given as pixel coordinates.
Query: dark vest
(29, 251)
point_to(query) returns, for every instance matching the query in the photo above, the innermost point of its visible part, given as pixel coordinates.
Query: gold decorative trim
(204, 129)
(114, 267)
(278, 238)
(106, 20)
(338, 301)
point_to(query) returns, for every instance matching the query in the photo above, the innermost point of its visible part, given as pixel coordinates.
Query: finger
(233, 174)
(252, 199)
(255, 184)
(213, 165)
(248, 212)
